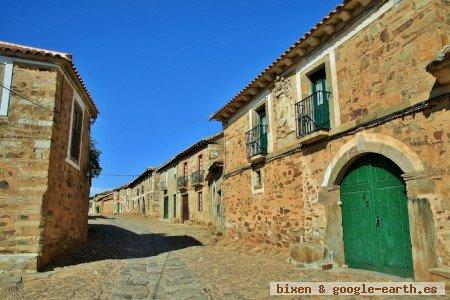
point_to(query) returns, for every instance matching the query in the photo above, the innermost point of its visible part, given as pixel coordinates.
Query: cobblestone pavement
(139, 258)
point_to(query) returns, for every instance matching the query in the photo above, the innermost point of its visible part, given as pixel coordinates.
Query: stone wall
(384, 64)
(43, 200)
(25, 138)
(109, 207)
(66, 201)
(142, 196)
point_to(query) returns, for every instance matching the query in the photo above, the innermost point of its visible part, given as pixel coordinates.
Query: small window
(142, 189)
(76, 127)
(200, 201)
(257, 179)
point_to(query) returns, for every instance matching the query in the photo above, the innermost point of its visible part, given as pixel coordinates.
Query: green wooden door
(262, 129)
(166, 207)
(375, 217)
(320, 100)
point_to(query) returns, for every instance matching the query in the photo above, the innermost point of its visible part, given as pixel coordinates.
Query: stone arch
(397, 151)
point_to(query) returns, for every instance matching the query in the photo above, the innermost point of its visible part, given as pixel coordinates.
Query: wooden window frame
(76, 100)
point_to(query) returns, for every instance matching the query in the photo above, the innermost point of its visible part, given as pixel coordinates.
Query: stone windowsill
(314, 137)
(257, 158)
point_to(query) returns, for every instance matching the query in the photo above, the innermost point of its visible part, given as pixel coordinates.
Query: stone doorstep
(442, 273)
(18, 263)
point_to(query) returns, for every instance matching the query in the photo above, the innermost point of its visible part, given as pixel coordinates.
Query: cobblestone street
(139, 258)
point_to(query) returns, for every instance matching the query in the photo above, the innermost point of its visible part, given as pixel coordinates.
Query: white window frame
(6, 81)
(71, 161)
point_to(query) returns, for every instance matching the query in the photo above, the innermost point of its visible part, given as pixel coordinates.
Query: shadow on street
(112, 242)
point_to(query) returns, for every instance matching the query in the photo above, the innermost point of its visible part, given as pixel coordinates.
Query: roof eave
(317, 35)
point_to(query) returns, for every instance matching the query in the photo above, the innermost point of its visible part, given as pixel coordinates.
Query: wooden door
(185, 202)
(321, 117)
(375, 217)
(166, 207)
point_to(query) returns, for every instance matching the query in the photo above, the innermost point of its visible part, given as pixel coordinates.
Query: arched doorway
(375, 217)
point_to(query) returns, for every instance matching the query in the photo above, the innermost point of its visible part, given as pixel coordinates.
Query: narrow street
(139, 258)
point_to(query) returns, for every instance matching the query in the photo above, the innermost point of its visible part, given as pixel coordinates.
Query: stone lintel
(426, 174)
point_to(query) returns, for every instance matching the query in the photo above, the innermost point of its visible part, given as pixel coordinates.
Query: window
(185, 169)
(257, 180)
(142, 189)
(6, 69)
(200, 162)
(77, 125)
(76, 129)
(200, 201)
(313, 111)
(256, 137)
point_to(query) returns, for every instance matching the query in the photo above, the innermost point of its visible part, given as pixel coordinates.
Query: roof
(65, 60)
(142, 176)
(319, 33)
(191, 149)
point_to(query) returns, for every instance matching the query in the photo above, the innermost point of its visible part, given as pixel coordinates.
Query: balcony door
(320, 103)
(262, 123)
(185, 204)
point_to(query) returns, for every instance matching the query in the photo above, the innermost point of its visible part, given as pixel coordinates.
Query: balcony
(256, 140)
(163, 185)
(313, 116)
(182, 182)
(198, 177)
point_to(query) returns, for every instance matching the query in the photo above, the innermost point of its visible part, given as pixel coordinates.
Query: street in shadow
(113, 242)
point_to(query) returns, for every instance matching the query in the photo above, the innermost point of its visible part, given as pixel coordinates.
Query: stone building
(190, 184)
(143, 198)
(340, 148)
(107, 204)
(45, 118)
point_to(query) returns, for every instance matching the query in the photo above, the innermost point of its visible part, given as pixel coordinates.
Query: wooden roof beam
(288, 61)
(313, 41)
(329, 29)
(253, 91)
(345, 15)
(365, 2)
(268, 77)
(278, 69)
(261, 83)
(300, 51)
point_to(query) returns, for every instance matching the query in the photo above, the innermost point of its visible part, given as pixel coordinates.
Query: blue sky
(158, 69)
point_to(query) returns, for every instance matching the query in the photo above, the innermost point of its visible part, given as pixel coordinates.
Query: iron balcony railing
(163, 185)
(256, 140)
(182, 182)
(197, 177)
(313, 113)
